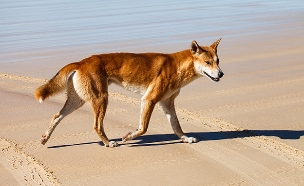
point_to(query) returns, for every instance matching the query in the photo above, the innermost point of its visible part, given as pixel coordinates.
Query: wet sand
(249, 125)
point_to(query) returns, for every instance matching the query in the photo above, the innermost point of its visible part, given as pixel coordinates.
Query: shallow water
(31, 26)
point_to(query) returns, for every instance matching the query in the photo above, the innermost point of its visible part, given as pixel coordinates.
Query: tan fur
(157, 76)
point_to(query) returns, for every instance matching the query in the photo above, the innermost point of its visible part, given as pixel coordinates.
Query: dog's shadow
(167, 139)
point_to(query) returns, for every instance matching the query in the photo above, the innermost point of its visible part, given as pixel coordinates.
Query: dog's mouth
(212, 78)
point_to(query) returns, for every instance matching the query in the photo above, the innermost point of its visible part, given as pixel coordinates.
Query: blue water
(33, 25)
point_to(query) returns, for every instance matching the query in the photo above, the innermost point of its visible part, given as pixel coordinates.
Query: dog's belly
(130, 87)
(142, 90)
(134, 88)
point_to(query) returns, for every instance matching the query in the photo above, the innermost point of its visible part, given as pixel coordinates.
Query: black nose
(221, 74)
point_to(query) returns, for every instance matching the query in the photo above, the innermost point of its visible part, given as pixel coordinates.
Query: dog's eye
(208, 62)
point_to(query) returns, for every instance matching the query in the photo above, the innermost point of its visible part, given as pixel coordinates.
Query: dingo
(157, 76)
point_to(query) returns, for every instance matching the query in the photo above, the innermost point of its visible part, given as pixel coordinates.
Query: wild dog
(157, 77)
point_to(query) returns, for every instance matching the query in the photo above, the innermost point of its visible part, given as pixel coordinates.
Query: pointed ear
(195, 48)
(215, 44)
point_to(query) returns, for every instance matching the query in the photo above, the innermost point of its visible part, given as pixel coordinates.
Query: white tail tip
(40, 100)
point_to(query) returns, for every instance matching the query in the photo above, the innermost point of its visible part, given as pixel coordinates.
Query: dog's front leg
(147, 107)
(169, 109)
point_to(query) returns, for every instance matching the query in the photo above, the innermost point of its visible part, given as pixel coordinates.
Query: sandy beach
(250, 125)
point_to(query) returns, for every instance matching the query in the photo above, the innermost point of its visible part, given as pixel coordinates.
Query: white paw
(113, 144)
(190, 140)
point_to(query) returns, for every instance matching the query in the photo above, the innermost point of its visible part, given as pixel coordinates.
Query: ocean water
(28, 26)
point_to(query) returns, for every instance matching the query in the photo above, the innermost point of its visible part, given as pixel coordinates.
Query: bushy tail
(56, 84)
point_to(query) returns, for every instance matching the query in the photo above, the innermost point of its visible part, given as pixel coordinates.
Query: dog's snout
(221, 74)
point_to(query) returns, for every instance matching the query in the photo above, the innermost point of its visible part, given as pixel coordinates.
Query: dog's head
(206, 61)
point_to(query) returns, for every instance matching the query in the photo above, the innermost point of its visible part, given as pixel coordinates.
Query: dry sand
(250, 125)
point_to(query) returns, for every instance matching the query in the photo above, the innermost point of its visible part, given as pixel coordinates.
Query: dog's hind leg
(99, 106)
(72, 103)
(169, 109)
(98, 90)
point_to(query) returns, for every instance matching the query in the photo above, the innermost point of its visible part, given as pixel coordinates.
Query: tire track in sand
(22, 78)
(25, 168)
(283, 151)
(256, 105)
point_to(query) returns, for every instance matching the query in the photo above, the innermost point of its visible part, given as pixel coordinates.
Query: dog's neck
(186, 71)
